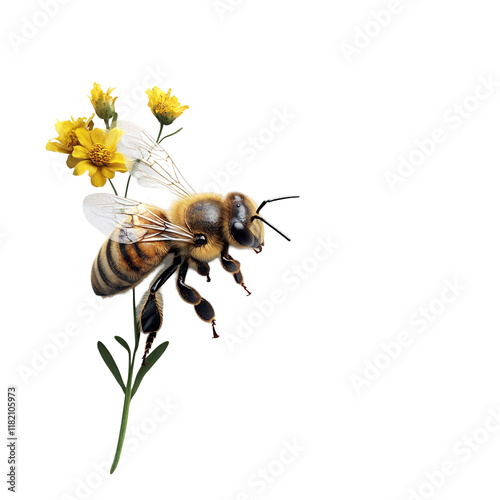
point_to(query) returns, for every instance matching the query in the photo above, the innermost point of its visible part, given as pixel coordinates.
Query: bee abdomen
(119, 267)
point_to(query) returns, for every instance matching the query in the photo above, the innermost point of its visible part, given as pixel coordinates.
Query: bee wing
(138, 222)
(150, 163)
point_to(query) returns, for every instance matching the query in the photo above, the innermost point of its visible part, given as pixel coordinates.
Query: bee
(198, 228)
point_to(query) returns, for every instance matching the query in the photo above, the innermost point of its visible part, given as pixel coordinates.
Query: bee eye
(242, 234)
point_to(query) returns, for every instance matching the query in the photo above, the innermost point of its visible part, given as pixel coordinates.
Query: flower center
(100, 155)
(71, 140)
(162, 108)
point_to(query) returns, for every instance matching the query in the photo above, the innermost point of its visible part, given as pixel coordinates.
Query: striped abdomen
(119, 266)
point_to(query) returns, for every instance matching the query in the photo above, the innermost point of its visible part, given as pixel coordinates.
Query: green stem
(128, 182)
(106, 122)
(159, 133)
(128, 392)
(113, 187)
(123, 426)
(169, 135)
(137, 329)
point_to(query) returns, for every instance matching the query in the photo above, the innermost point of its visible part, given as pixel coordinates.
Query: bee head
(243, 230)
(246, 228)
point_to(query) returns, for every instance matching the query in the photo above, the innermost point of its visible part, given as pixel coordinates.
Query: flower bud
(103, 103)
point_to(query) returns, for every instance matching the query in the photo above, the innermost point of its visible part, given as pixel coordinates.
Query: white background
(293, 378)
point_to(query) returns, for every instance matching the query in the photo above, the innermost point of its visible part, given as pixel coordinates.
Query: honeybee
(198, 228)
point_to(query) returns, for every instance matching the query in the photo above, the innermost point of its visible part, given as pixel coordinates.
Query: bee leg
(203, 308)
(233, 266)
(202, 268)
(238, 277)
(151, 313)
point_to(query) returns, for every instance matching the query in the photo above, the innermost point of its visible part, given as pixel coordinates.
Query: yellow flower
(103, 103)
(97, 155)
(166, 108)
(67, 139)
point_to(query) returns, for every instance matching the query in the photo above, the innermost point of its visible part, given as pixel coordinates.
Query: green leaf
(150, 361)
(123, 343)
(110, 363)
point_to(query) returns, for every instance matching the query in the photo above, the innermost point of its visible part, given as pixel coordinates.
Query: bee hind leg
(150, 320)
(151, 311)
(233, 266)
(203, 308)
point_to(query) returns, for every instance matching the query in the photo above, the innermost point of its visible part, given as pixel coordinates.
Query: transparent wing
(150, 163)
(138, 222)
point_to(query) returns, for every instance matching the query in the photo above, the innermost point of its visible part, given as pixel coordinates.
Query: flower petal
(62, 128)
(56, 147)
(80, 152)
(111, 139)
(83, 166)
(72, 162)
(117, 158)
(84, 138)
(98, 179)
(108, 172)
(97, 135)
(117, 167)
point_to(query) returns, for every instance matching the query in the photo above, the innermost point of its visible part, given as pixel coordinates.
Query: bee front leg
(202, 307)
(202, 268)
(233, 266)
(151, 311)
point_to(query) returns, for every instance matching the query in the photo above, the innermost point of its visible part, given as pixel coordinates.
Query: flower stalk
(128, 182)
(159, 133)
(113, 186)
(128, 391)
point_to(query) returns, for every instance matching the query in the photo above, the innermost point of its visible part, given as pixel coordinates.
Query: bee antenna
(270, 225)
(262, 205)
